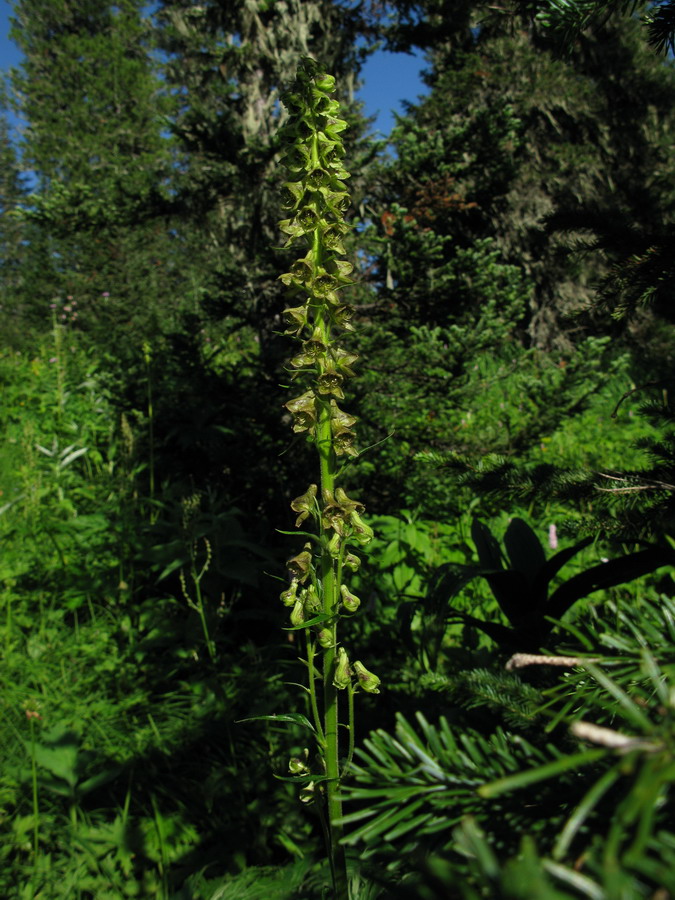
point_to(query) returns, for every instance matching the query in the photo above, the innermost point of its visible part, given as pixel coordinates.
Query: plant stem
(350, 751)
(199, 605)
(318, 724)
(331, 593)
(147, 355)
(33, 772)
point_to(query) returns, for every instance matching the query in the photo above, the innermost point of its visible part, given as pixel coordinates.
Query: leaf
(541, 773)
(606, 575)
(303, 779)
(513, 594)
(175, 563)
(58, 753)
(101, 778)
(585, 807)
(293, 718)
(631, 710)
(553, 565)
(524, 549)
(316, 620)
(71, 457)
(487, 547)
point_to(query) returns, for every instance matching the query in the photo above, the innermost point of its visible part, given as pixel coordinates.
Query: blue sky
(388, 78)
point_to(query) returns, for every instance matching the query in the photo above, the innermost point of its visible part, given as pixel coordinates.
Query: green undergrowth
(123, 772)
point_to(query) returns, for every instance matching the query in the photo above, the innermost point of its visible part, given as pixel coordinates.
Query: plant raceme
(316, 200)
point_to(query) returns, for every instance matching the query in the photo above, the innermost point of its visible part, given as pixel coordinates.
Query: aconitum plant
(319, 597)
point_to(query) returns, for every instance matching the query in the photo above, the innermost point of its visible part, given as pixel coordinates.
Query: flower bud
(350, 601)
(298, 614)
(325, 638)
(311, 601)
(298, 765)
(335, 545)
(343, 674)
(289, 596)
(351, 562)
(347, 503)
(361, 532)
(325, 83)
(307, 793)
(367, 681)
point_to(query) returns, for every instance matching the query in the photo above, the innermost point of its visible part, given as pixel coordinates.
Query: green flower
(298, 764)
(335, 545)
(325, 638)
(350, 601)
(362, 533)
(296, 317)
(299, 566)
(330, 382)
(304, 504)
(304, 411)
(343, 443)
(311, 600)
(339, 420)
(367, 681)
(289, 596)
(351, 506)
(343, 674)
(298, 613)
(351, 562)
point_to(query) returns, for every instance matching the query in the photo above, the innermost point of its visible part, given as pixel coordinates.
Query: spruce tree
(93, 139)
(510, 140)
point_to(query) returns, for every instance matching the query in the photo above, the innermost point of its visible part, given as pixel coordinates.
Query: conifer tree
(12, 192)
(93, 139)
(510, 140)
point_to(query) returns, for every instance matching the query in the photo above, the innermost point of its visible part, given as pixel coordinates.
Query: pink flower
(53, 359)
(553, 537)
(105, 294)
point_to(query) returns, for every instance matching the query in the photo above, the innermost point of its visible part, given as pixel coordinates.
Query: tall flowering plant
(318, 596)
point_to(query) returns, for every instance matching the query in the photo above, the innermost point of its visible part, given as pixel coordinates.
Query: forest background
(514, 317)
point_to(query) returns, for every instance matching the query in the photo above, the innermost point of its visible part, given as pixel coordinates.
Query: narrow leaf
(293, 718)
(532, 776)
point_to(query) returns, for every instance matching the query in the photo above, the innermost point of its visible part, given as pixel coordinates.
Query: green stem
(151, 432)
(60, 389)
(350, 750)
(199, 605)
(331, 593)
(8, 625)
(33, 772)
(312, 691)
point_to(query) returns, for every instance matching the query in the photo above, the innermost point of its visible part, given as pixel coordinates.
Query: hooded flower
(304, 504)
(343, 675)
(367, 681)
